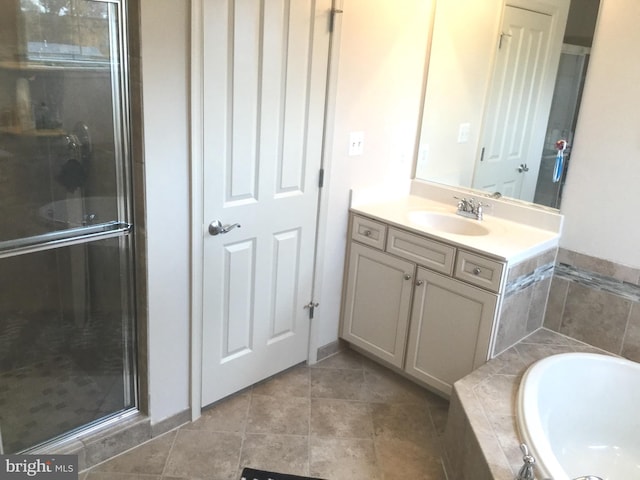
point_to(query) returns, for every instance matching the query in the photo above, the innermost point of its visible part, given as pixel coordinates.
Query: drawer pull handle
(407, 276)
(419, 283)
(367, 233)
(477, 271)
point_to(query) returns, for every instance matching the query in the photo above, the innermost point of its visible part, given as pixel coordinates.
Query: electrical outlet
(356, 143)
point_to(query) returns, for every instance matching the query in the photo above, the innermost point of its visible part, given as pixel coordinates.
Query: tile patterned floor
(345, 418)
(41, 400)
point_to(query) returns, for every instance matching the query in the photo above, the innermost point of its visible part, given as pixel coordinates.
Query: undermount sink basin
(447, 223)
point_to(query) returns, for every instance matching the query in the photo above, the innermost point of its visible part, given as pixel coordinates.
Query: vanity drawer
(428, 253)
(368, 231)
(480, 271)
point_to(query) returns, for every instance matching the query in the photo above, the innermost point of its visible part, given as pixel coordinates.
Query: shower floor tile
(40, 401)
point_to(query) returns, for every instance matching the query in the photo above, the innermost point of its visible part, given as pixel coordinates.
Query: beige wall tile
(513, 319)
(537, 308)
(595, 317)
(631, 343)
(600, 266)
(555, 303)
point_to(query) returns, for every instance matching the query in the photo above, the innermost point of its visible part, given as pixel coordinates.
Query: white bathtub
(579, 414)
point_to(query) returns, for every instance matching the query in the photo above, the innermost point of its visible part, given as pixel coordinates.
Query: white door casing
(519, 97)
(263, 71)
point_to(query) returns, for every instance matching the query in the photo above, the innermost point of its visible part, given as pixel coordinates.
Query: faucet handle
(526, 471)
(527, 458)
(462, 203)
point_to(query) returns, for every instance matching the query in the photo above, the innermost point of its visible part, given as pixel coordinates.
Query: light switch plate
(463, 132)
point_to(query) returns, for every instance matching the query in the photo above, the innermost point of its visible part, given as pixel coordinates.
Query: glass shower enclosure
(67, 325)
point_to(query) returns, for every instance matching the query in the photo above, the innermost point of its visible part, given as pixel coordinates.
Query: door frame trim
(197, 202)
(322, 227)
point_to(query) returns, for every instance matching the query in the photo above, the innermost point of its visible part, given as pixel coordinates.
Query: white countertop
(507, 240)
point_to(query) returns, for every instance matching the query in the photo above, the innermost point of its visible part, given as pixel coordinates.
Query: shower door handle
(216, 227)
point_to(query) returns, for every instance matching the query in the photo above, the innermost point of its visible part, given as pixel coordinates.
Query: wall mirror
(503, 94)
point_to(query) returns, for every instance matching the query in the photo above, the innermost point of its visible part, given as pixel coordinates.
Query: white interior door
(264, 78)
(515, 102)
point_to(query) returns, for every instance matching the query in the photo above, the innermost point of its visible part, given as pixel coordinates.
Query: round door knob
(367, 233)
(477, 271)
(407, 276)
(419, 283)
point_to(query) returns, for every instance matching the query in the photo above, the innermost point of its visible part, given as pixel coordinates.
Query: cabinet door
(451, 327)
(377, 303)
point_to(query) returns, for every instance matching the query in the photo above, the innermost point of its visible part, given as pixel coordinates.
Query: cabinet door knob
(420, 283)
(367, 233)
(477, 271)
(407, 276)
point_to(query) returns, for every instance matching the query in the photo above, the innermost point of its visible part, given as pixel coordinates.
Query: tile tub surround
(597, 302)
(481, 440)
(525, 299)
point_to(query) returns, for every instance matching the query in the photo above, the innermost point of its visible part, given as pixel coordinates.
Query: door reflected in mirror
(503, 95)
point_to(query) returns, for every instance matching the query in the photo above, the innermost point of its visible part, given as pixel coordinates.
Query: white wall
(165, 72)
(460, 69)
(379, 89)
(381, 59)
(601, 195)
(598, 201)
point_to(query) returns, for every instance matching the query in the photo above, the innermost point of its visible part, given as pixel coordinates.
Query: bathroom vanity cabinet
(420, 304)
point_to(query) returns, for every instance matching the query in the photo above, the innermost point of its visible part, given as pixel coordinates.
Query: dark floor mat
(252, 474)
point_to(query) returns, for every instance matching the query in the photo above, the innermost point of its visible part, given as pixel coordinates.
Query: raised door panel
(378, 303)
(516, 100)
(264, 72)
(451, 328)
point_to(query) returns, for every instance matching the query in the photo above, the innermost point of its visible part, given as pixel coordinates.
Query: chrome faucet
(471, 208)
(526, 471)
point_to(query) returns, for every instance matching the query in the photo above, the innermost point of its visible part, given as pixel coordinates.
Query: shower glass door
(67, 326)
